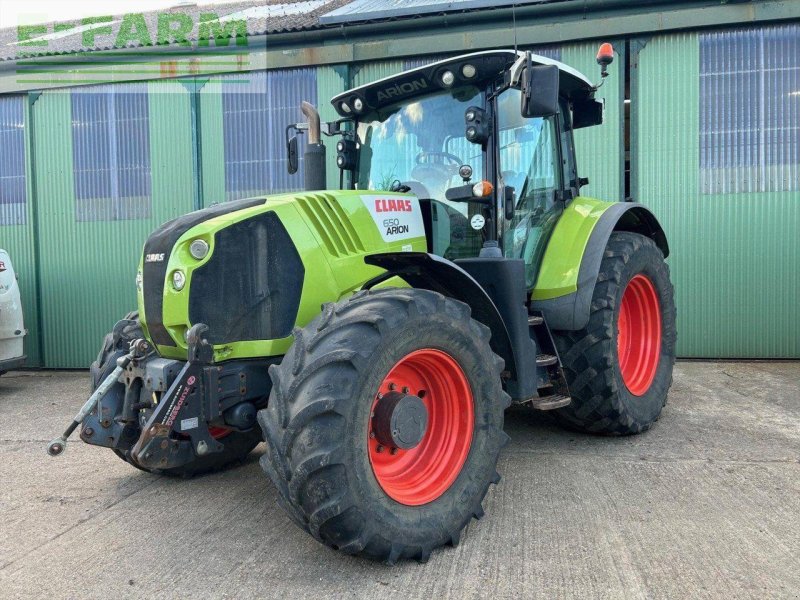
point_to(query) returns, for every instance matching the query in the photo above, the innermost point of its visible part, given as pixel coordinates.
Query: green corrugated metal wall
(211, 134)
(369, 72)
(87, 269)
(723, 262)
(733, 257)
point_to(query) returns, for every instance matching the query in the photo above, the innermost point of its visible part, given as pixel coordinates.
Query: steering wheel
(422, 156)
(436, 166)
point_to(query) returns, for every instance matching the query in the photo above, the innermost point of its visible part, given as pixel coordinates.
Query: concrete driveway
(705, 505)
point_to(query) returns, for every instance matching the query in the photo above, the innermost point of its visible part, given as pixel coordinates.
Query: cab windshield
(421, 145)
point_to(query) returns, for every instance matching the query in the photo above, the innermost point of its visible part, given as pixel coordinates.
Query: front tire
(619, 367)
(337, 476)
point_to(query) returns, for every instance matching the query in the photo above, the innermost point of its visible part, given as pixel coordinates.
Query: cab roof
(427, 79)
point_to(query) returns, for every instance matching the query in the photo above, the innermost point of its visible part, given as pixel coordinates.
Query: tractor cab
(484, 140)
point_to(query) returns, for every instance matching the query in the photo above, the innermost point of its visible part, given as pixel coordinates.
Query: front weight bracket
(181, 410)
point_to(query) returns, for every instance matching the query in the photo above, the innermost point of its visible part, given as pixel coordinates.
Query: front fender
(571, 262)
(430, 272)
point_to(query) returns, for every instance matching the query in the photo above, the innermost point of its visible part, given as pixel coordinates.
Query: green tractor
(373, 336)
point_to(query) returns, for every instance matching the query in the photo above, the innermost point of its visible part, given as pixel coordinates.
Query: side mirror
(586, 113)
(539, 90)
(291, 152)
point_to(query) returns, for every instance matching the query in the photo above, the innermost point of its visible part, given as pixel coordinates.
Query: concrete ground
(705, 505)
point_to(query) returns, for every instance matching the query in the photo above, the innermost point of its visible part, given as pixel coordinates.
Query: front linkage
(166, 414)
(181, 411)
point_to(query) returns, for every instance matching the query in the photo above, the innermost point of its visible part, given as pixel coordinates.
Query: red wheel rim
(421, 474)
(639, 334)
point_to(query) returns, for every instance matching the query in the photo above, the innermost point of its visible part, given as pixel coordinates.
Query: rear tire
(619, 384)
(332, 479)
(237, 444)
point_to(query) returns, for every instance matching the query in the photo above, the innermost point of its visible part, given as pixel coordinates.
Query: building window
(257, 107)
(750, 110)
(12, 160)
(111, 152)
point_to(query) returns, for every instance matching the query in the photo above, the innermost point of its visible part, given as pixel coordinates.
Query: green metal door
(734, 255)
(90, 240)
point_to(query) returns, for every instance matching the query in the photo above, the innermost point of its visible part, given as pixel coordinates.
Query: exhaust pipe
(314, 157)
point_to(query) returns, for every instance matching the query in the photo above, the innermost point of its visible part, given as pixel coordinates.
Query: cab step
(545, 360)
(550, 402)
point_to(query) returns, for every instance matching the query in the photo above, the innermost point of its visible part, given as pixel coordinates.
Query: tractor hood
(254, 269)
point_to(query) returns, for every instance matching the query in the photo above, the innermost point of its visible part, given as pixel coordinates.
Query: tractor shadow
(241, 504)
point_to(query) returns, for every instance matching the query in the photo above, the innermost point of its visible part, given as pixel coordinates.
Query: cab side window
(530, 163)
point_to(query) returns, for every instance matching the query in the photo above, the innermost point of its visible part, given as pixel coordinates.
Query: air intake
(330, 221)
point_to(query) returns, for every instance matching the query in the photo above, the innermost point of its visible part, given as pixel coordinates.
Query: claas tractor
(372, 336)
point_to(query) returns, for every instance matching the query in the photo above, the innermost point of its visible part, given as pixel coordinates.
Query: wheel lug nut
(379, 449)
(392, 387)
(393, 451)
(405, 389)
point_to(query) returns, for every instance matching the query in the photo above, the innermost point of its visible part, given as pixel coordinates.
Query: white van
(12, 329)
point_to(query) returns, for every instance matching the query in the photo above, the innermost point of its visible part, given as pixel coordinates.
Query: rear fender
(570, 311)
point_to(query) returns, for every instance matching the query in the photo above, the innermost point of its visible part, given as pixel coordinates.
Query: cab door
(530, 162)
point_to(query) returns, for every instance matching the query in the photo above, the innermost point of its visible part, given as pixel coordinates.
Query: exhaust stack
(314, 157)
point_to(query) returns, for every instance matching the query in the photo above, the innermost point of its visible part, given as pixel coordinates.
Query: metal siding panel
(17, 232)
(369, 72)
(12, 161)
(88, 268)
(599, 149)
(366, 10)
(733, 256)
(212, 156)
(750, 110)
(111, 151)
(257, 107)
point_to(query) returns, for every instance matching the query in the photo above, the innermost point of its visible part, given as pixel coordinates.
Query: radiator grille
(250, 287)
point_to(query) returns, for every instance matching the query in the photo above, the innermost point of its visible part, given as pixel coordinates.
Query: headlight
(178, 280)
(199, 249)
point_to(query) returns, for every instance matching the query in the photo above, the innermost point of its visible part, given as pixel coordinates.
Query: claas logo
(393, 205)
